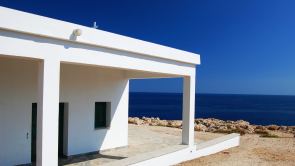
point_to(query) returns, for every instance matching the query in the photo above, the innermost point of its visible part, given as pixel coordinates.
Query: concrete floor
(142, 139)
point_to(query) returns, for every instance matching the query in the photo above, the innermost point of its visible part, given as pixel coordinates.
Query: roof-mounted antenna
(94, 25)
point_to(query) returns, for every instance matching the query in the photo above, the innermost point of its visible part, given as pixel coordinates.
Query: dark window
(101, 115)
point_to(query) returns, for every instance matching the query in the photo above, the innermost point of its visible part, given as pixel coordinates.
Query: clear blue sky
(246, 46)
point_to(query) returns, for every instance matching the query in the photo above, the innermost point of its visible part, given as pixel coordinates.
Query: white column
(188, 112)
(47, 114)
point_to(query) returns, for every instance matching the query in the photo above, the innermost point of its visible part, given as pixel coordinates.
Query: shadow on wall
(109, 85)
(114, 116)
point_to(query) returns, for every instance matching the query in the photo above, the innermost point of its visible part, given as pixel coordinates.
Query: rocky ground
(218, 126)
(254, 150)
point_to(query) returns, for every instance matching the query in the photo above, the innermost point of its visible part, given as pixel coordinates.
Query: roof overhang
(51, 28)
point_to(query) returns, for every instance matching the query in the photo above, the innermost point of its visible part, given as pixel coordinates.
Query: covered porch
(77, 88)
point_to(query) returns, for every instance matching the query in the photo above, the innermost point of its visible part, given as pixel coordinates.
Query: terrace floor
(144, 142)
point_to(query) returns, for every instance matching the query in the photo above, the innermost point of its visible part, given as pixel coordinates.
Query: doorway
(61, 120)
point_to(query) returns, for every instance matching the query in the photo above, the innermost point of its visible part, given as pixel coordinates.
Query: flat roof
(31, 24)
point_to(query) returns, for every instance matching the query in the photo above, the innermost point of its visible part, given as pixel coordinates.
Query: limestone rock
(273, 127)
(200, 127)
(174, 123)
(214, 125)
(135, 120)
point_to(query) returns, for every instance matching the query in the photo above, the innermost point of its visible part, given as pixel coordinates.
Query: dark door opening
(60, 131)
(34, 132)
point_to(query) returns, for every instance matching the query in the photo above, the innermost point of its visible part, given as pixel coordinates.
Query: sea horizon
(255, 108)
(206, 93)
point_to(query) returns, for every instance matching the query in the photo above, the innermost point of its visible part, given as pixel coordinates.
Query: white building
(64, 87)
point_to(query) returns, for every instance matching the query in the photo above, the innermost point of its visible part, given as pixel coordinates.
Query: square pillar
(188, 112)
(48, 108)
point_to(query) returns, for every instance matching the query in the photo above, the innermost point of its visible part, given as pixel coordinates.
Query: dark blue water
(257, 109)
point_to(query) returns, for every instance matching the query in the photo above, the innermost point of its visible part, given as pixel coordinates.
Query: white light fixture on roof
(77, 32)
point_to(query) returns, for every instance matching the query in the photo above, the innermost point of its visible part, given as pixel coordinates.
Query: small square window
(102, 115)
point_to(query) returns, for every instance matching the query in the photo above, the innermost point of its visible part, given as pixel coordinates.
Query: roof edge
(52, 28)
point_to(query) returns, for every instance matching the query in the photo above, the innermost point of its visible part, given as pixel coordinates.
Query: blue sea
(257, 109)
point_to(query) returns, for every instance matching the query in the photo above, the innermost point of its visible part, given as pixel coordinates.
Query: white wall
(81, 87)
(18, 90)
